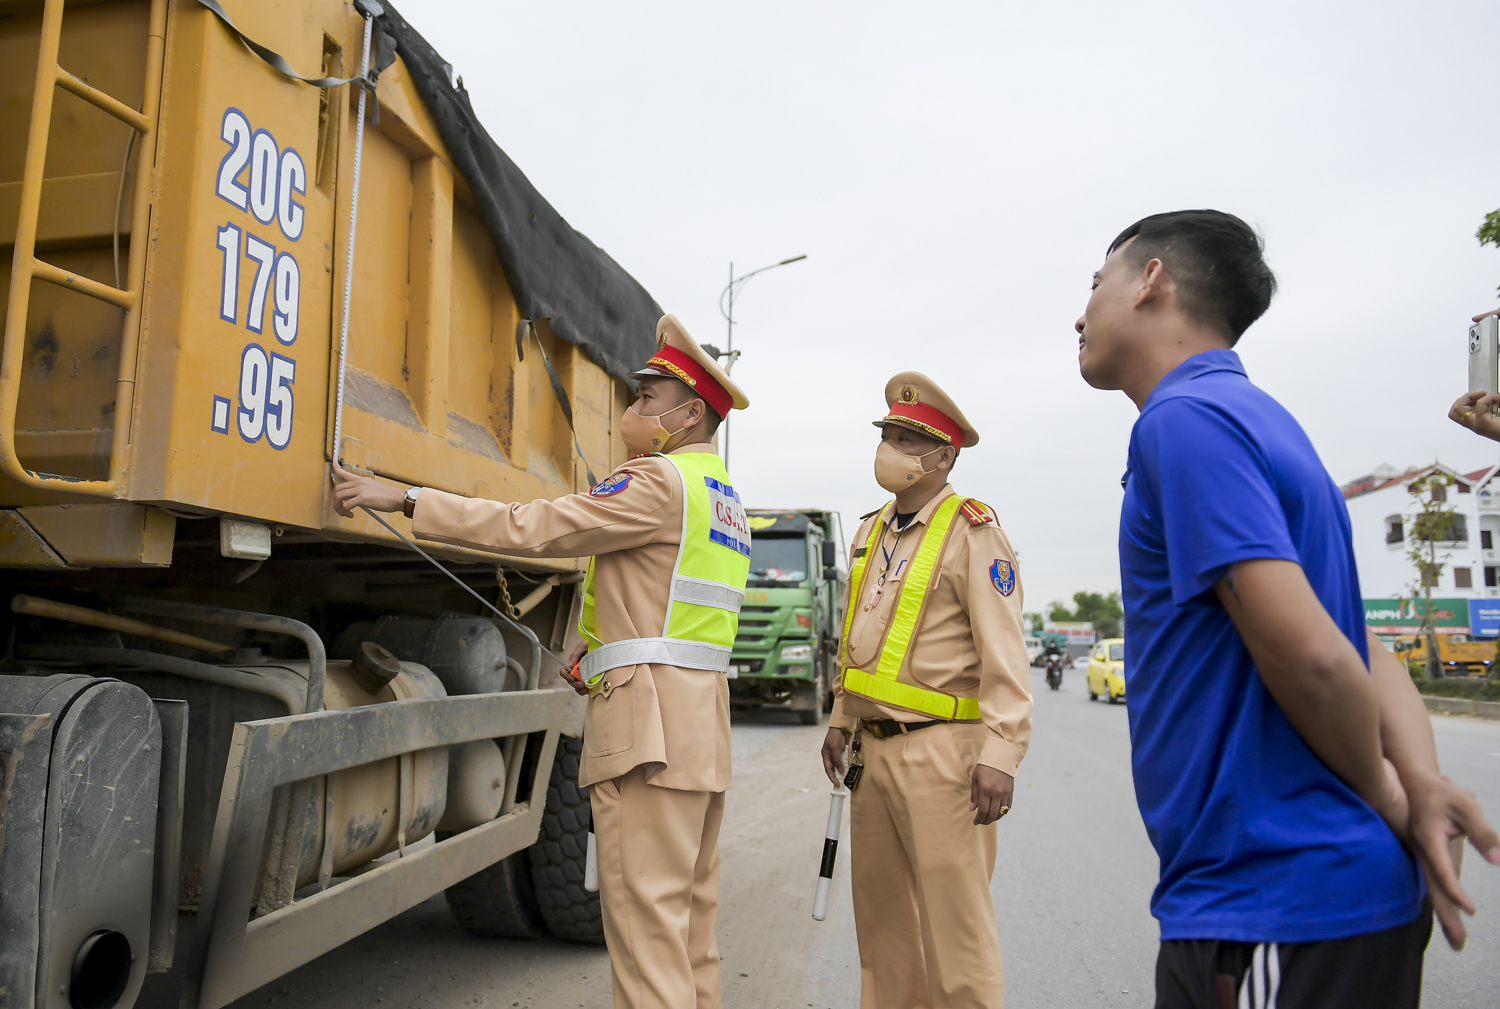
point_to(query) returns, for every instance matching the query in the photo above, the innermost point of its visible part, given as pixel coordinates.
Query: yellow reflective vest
(708, 581)
(883, 682)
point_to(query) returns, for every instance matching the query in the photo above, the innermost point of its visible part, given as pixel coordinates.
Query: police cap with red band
(919, 403)
(679, 356)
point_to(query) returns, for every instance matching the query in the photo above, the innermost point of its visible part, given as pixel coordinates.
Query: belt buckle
(875, 729)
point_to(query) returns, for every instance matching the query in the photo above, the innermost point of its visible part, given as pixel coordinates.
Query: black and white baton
(830, 852)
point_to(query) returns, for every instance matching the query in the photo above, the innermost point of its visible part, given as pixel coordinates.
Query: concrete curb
(1462, 706)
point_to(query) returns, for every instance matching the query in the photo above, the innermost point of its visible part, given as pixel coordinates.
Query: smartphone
(1484, 355)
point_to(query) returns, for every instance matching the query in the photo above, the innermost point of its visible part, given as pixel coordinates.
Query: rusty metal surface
(317, 656)
(275, 752)
(109, 621)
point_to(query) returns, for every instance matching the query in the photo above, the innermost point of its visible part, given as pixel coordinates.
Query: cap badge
(661, 339)
(909, 395)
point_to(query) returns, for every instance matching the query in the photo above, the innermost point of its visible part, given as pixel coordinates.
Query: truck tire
(557, 859)
(499, 902)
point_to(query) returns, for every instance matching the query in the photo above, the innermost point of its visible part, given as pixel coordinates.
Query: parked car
(1106, 672)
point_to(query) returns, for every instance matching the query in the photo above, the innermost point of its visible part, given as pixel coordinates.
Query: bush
(1471, 689)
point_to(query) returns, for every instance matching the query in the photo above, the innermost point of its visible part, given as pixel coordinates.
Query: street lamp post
(726, 308)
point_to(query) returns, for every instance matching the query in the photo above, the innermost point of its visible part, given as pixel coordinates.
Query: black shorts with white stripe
(1378, 970)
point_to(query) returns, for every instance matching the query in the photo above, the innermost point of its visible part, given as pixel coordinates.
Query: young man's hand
(364, 492)
(1442, 814)
(575, 657)
(834, 745)
(990, 791)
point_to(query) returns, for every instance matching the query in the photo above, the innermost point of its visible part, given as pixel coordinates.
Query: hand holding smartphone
(1477, 408)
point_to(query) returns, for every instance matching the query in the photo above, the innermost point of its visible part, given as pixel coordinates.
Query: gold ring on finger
(1468, 414)
(1004, 810)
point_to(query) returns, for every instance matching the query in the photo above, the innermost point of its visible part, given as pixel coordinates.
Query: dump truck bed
(233, 304)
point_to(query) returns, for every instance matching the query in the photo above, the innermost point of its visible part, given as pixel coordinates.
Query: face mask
(642, 434)
(895, 470)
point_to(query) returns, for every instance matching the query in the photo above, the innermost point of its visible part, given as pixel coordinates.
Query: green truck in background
(786, 652)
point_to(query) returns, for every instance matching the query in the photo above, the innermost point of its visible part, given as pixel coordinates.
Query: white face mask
(895, 470)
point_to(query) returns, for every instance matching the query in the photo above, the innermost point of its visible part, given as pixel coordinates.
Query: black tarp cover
(555, 272)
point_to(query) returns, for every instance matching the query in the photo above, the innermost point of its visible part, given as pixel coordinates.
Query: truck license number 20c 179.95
(263, 182)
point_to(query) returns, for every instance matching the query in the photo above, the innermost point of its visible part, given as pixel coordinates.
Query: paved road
(1071, 891)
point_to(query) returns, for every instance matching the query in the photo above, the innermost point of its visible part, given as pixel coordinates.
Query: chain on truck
(786, 651)
(248, 240)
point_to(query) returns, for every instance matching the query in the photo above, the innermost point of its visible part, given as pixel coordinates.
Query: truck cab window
(778, 561)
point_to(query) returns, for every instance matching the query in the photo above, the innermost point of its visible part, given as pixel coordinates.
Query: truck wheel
(812, 717)
(498, 902)
(557, 859)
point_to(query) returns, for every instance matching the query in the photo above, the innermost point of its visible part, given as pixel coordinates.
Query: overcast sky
(954, 173)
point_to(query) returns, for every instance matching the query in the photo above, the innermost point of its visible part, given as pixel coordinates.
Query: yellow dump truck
(242, 240)
(1459, 654)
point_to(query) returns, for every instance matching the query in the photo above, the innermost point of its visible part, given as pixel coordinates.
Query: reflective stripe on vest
(882, 685)
(708, 581)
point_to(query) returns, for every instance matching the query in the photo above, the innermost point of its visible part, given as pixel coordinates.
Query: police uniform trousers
(659, 891)
(921, 874)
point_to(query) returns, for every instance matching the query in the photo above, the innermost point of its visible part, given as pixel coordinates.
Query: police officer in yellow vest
(670, 553)
(934, 702)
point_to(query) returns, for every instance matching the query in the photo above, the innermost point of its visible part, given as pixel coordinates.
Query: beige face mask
(642, 434)
(895, 470)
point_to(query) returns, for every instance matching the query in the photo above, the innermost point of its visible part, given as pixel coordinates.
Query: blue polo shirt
(1258, 840)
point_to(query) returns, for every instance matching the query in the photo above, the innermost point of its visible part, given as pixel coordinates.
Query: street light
(726, 309)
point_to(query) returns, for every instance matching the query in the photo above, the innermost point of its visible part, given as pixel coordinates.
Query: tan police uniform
(656, 736)
(920, 867)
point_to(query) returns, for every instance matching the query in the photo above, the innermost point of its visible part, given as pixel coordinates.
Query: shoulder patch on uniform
(976, 512)
(611, 485)
(1003, 576)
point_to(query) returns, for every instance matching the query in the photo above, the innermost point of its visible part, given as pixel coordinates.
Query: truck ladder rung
(42, 270)
(102, 101)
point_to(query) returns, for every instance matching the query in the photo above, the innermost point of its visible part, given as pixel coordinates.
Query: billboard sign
(1484, 618)
(1074, 633)
(1404, 616)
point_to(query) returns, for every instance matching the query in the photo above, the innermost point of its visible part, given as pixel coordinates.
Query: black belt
(883, 728)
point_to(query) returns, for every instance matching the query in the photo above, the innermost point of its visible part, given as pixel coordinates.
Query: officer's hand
(567, 672)
(989, 791)
(364, 492)
(833, 755)
(1476, 411)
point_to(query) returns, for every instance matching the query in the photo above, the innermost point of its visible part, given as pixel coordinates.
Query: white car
(1033, 649)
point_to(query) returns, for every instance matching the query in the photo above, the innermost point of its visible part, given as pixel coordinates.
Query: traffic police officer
(934, 691)
(670, 555)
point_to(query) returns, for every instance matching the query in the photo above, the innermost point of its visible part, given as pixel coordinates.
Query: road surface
(1071, 891)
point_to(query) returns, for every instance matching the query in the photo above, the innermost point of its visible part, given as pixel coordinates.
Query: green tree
(1103, 611)
(1435, 522)
(1489, 232)
(1034, 621)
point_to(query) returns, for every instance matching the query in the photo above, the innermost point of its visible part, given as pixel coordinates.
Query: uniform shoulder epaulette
(977, 512)
(871, 514)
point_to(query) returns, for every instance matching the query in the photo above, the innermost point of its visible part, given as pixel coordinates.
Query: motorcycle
(1054, 671)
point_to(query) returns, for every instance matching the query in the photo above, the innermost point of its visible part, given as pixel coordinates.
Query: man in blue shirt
(1284, 763)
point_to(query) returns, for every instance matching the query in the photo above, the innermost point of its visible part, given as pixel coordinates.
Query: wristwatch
(409, 503)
